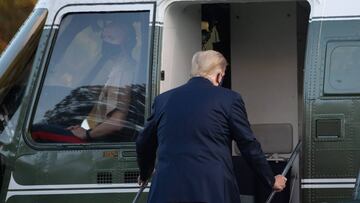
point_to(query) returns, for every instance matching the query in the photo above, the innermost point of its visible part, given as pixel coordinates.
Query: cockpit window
(96, 81)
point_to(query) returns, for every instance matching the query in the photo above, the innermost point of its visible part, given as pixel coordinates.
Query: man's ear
(218, 79)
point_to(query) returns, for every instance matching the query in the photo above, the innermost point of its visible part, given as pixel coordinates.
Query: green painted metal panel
(70, 167)
(326, 195)
(336, 156)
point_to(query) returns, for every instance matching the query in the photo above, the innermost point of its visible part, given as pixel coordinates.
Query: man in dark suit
(189, 134)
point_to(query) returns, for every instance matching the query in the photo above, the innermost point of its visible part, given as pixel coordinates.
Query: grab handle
(138, 194)
(287, 168)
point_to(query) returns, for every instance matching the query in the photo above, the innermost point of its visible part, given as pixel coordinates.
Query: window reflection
(95, 86)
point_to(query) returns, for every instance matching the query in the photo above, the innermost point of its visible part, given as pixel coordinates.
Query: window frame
(54, 28)
(30, 32)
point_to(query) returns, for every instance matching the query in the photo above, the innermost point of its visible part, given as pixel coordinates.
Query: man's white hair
(205, 63)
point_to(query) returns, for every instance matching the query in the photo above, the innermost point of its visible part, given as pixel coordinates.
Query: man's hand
(78, 131)
(280, 183)
(142, 183)
(73, 127)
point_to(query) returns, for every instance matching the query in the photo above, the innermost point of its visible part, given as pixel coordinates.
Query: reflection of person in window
(116, 68)
(110, 112)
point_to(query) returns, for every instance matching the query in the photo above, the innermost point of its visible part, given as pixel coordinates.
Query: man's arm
(114, 118)
(250, 147)
(146, 146)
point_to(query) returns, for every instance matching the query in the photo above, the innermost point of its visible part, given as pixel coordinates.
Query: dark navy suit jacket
(190, 132)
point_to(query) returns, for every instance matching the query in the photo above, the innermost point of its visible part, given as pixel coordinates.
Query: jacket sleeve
(248, 145)
(146, 146)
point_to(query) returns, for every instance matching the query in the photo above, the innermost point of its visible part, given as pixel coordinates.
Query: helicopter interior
(97, 76)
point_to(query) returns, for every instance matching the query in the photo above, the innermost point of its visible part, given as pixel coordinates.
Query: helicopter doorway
(264, 43)
(265, 46)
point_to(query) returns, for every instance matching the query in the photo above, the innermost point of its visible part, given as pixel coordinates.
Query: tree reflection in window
(95, 86)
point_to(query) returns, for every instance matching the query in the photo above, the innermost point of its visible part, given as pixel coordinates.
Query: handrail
(138, 194)
(287, 168)
(271, 196)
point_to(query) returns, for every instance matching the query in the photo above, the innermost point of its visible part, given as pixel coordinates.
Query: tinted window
(96, 80)
(342, 68)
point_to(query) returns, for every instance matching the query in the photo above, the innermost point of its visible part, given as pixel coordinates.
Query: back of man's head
(207, 63)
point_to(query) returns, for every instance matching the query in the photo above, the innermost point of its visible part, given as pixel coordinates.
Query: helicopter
(295, 64)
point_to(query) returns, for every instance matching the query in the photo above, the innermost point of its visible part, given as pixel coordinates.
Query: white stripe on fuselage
(69, 192)
(328, 180)
(18, 189)
(327, 186)
(327, 183)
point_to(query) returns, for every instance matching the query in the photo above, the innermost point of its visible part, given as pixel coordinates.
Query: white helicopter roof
(320, 9)
(334, 9)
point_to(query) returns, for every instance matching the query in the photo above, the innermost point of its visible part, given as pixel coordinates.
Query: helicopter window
(96, 81)
(15, 67)
(342, 68)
